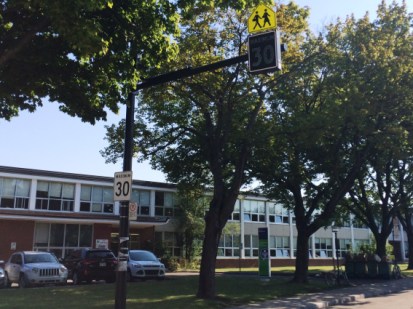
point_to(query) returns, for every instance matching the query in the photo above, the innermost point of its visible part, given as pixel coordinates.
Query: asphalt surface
(359, 290)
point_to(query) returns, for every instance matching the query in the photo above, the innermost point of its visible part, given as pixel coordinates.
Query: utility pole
(122, 267)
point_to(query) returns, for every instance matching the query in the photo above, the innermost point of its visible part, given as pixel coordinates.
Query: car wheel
(23, 283)
(76, 280)
(7, 282)
(129, 276)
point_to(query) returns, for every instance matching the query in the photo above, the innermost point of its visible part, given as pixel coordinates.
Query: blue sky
(51, 140)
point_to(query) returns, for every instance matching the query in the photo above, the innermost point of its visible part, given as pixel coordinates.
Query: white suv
(144, 264)
(34, 268)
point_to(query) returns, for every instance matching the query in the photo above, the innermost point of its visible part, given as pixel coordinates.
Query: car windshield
(99, 255)
(39, 258)
(142, 256)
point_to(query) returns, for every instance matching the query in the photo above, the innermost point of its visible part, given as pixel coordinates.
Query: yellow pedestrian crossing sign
(262, 18)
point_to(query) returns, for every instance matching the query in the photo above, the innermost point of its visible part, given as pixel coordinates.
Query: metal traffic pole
(120, 298)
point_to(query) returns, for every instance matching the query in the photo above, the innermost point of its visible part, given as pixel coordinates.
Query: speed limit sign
(264, 52)
(122, 186)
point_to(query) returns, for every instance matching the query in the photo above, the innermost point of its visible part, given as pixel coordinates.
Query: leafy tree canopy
(83, 53)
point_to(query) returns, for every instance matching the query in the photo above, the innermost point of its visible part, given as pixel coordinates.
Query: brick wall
(101, 231)
(19, 232)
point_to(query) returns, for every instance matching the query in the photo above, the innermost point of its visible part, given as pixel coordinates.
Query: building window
(344, 246)
(254, 211)
(251, 245)
(323, 247)
(96, 199)
(14, 193)
(61, 239)
(277, 214)
(359, 243)
(279, 246)
(55, 196)
(229, 245)
(165, 204)
(235, 216)
(310, 251)
(358, 224)
(143, 199)
(170, 242)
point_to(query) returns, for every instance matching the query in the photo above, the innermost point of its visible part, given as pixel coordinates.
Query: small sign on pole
(122, 186)
(262, 18)
(133, 211)
(264, 52)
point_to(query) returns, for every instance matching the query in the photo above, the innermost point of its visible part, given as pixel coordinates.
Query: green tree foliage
(81, 54)
(203, 130)
(349, 98)
(84, 54)
(192, 205)
(375, 199)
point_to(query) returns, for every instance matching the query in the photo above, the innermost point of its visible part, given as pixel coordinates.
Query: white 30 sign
(122, 186)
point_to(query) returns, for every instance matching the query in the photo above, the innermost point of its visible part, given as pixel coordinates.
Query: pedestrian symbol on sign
(262, 18)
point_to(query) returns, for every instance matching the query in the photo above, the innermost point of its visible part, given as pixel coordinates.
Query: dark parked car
(2, 276)
(91, 264)
(29, 268)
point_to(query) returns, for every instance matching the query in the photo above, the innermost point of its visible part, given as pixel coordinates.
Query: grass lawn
(174, 292)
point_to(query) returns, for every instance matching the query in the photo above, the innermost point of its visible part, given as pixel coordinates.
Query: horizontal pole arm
(171, 76)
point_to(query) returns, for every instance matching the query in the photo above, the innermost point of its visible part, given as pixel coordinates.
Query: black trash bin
(350, 269)
(360, 269)
(384, 270)
(372, 269)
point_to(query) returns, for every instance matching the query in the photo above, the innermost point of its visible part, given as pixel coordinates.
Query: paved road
(401, 300)
(361, 292)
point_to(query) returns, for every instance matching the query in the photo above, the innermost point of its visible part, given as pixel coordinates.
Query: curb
(334, 302)
(352, 298)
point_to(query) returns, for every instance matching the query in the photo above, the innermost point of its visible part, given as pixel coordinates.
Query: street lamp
(241, 221)
(336, 245)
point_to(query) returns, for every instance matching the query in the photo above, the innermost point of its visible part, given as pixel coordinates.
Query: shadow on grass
(177, 292)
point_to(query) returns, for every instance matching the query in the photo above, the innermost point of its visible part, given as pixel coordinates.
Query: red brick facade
(18, 232)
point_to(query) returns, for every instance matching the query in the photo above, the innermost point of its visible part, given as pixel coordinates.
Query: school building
(60, 212)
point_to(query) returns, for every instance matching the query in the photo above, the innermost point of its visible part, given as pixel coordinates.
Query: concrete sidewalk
(330, 298)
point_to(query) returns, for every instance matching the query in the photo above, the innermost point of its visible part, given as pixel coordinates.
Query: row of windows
(55, 196)
(61, 239)
(229, 246)
(254, 211)
(279, 246)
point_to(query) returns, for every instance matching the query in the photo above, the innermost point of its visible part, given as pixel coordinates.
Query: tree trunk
(409, 232)
(410, 250)
(207, 286)
(381, 242)
(302, 259)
